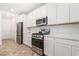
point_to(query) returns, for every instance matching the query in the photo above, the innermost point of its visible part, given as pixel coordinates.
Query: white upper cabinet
(51, 13)
(36, 14)
(62, 13)
(74, 12)
(24, 20)
(43, 11)
(29, 20)
(33, 18)
(58, 13)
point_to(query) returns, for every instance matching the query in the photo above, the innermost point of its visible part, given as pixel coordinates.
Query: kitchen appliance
(45, 31)
(19, 33)
(38, 43)
(42, 21)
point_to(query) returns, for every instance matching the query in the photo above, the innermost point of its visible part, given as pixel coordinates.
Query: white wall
(8, 26)
(13, 28)
(6, 29)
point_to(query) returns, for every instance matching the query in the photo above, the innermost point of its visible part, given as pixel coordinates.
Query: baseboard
(27, 45)
(6, 38)
(45, 54)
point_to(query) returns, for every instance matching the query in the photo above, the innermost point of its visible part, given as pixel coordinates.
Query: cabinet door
(43, 11)
(51, 13)
(25, 21)
(29, 20)
(37, 13)
(33, 18)
(29, 41)
(74, 12)
(49, 46)
(62, 49)
(62, 13)
(75, 51)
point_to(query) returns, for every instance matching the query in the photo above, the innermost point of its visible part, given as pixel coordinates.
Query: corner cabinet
(51, 13)
(49, 46)
(74, 12)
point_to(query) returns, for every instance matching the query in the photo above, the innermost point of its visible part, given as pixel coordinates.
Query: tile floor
(11, 48)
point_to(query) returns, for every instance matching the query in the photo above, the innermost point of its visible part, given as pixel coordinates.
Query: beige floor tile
(11, 48)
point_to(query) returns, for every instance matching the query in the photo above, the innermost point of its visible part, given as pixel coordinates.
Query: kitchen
(59, 31)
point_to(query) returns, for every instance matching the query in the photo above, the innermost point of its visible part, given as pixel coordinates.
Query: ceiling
(19, 8)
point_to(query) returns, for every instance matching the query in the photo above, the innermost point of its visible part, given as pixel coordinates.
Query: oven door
(38, 43)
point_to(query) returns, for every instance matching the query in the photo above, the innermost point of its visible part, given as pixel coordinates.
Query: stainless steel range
(38, 43)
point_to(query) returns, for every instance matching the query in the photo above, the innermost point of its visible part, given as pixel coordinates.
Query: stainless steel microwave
(42, 21)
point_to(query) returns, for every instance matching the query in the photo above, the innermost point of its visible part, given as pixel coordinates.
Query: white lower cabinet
(49, 46)
(62, 49)
(75, 50)
(29, 41)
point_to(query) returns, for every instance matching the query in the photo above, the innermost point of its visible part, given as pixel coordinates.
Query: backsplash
(70, 31)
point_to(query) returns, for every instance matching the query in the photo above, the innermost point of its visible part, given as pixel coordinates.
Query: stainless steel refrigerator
(19, 33)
